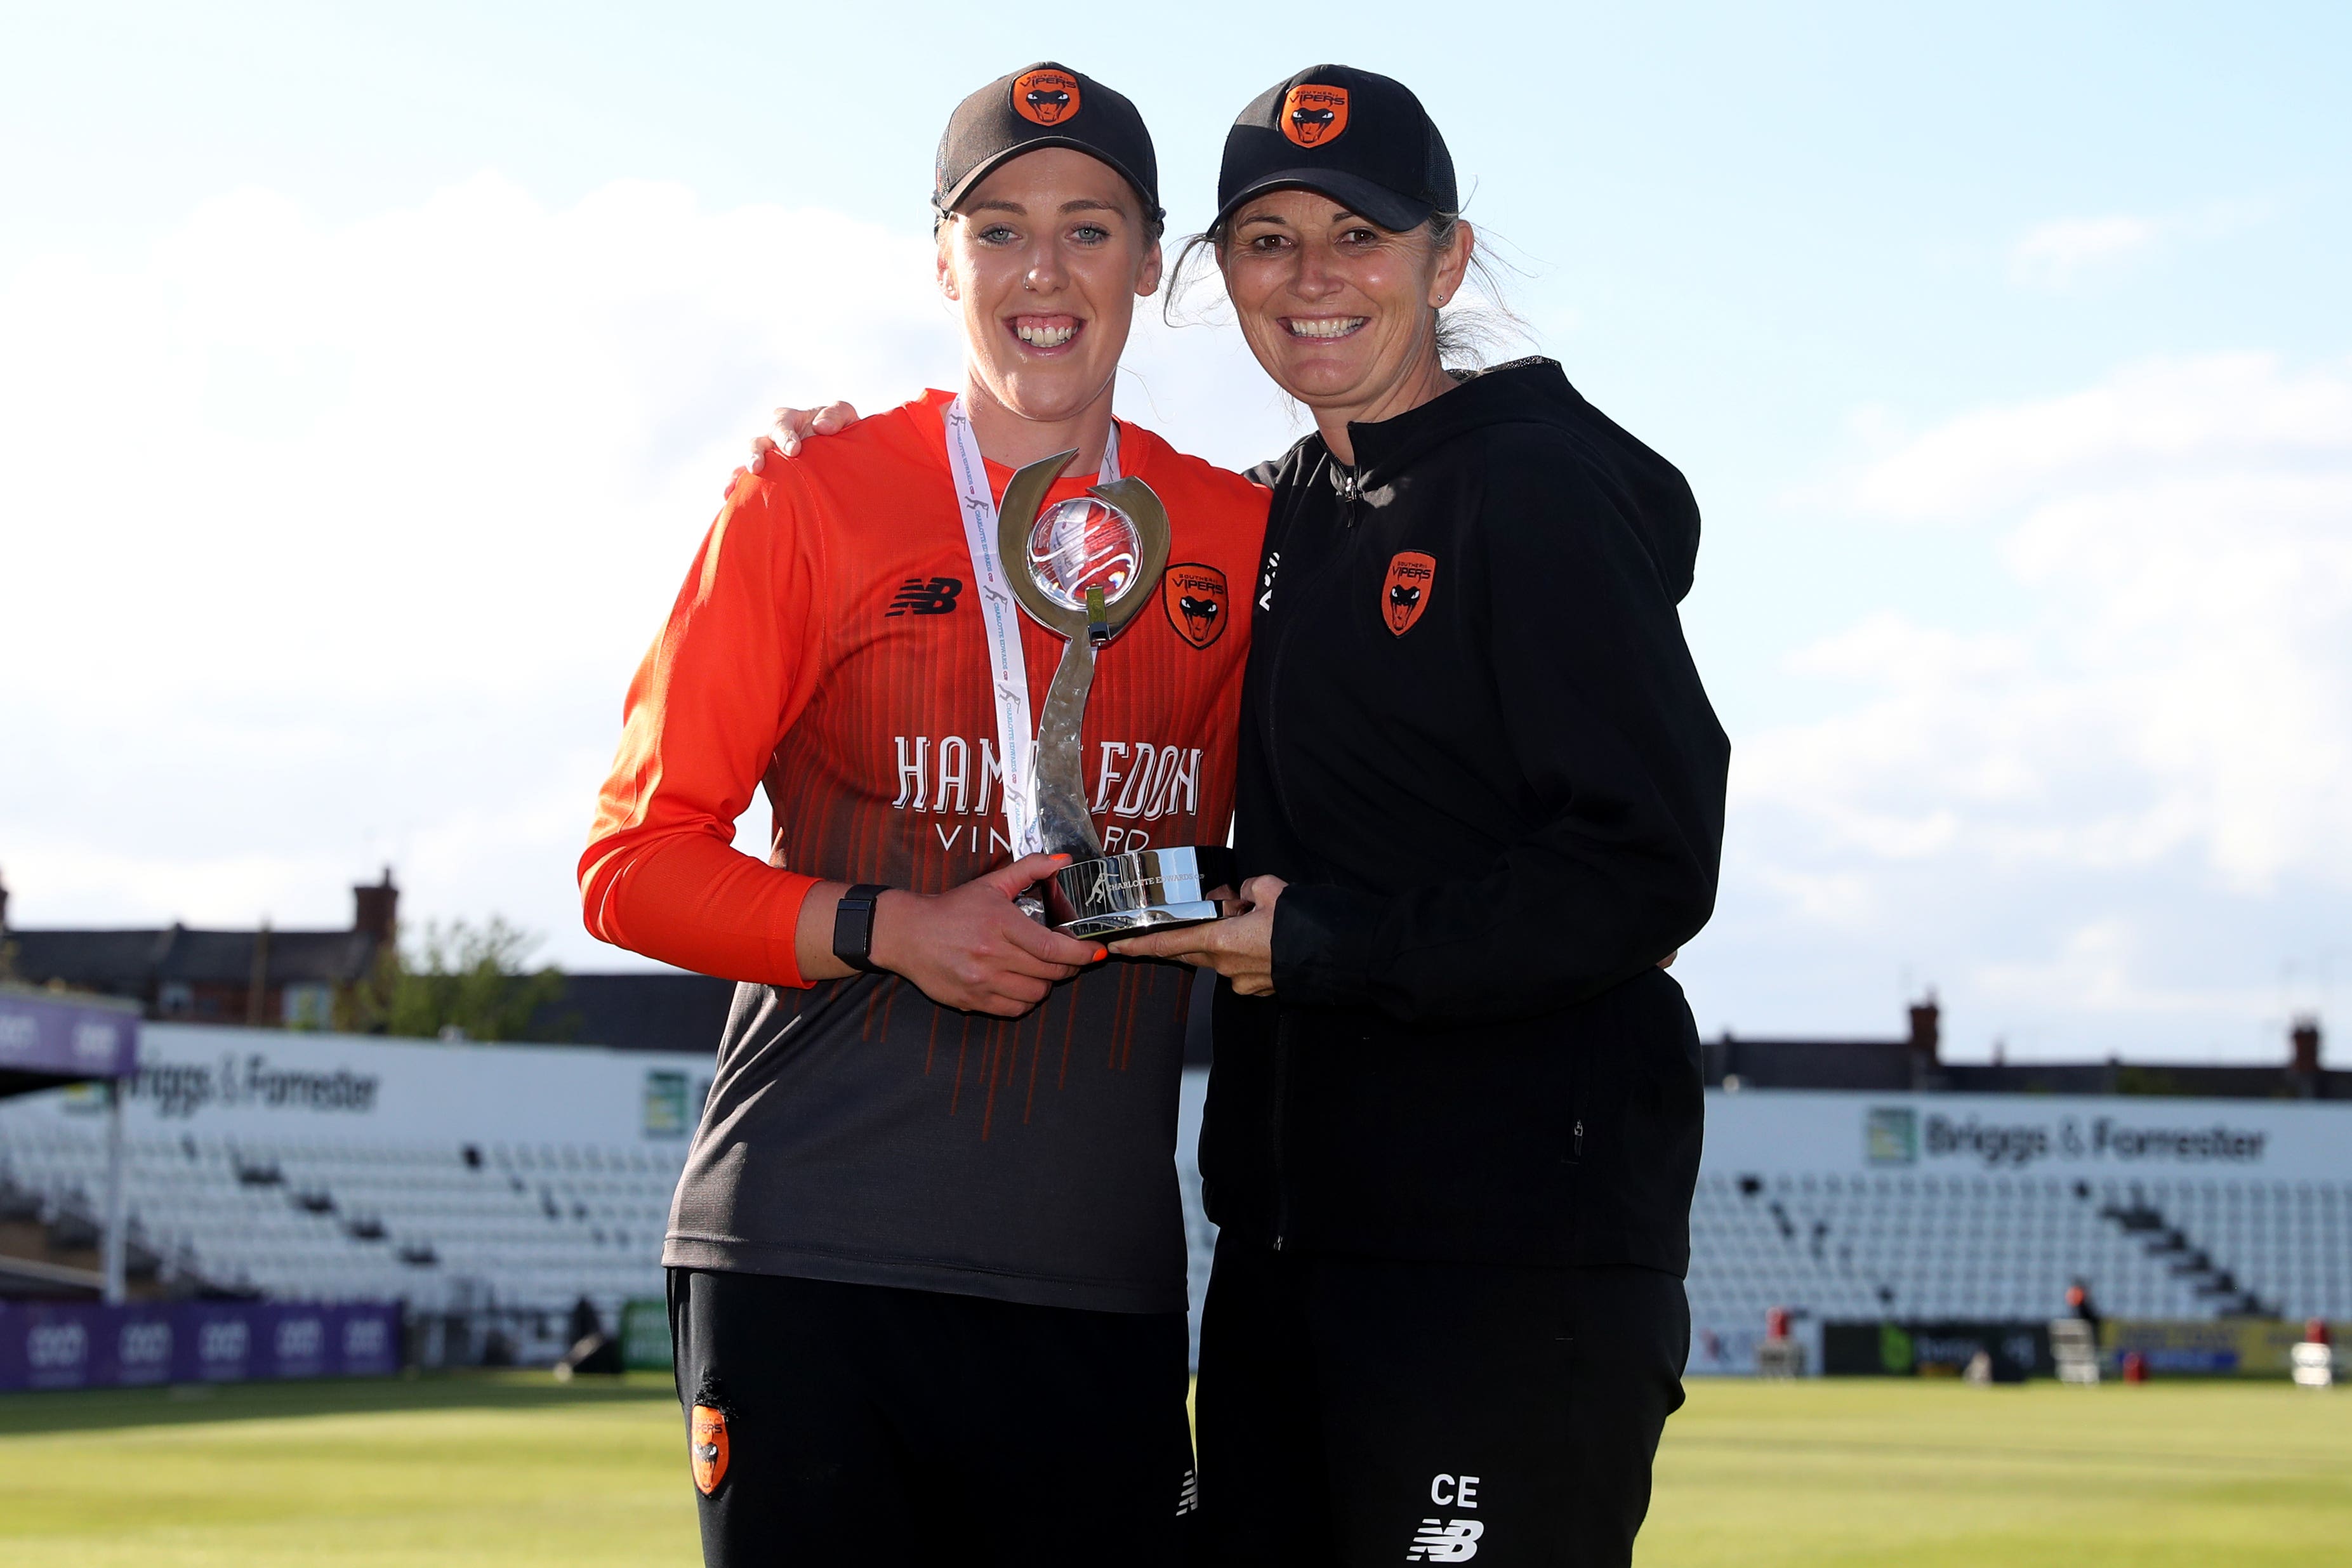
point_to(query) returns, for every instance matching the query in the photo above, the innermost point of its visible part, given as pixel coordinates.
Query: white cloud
(322, 546)
(2051, 255)
(2054, 255)
(2105, 965)
(440, 449)
(2068, 805)
(2229, 415)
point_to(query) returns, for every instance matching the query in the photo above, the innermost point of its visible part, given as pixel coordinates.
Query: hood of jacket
(1650, 490)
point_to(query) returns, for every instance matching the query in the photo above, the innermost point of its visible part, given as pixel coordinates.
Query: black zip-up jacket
(1476, 747)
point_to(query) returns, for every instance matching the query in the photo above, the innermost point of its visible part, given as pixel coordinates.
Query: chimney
(1926, 1031)
(375, 911)
(2305, 1035)
(256, 988)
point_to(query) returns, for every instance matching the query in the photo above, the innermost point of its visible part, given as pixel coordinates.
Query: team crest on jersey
(708, 1449)
(1046, 97)
(1197, 600)
(1313, 115)
(1404, 592)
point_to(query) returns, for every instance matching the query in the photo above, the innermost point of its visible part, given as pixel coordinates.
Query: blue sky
(2008, 352)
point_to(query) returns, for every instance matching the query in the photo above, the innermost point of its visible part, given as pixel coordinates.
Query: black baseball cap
(1360, 139)
(1044, 105)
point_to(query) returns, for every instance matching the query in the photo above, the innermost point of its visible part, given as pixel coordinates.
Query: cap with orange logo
(1044, 105)
(1362, 139)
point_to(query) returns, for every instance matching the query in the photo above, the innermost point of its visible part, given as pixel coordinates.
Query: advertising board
(76, 1345)
(2225, 1347)
(1935, 1348)
(1768, 1131)
(645, 1335)
(2222, 1347)
(279, 1085)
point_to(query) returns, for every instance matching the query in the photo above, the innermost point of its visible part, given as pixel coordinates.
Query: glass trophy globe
(1083, 543)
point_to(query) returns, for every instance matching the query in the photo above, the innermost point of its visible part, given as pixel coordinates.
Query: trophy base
(1139, 891)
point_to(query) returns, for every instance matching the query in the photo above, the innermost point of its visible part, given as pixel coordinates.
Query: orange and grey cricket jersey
(827, 646)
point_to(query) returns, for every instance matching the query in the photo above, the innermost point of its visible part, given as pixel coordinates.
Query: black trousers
(864, 1425)
(1357, 1411)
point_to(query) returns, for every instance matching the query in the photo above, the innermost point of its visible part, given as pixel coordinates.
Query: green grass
(492, 1470)
(1927, 1474)
(507, 1469)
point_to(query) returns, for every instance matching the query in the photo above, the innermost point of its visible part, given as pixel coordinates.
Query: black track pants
(1354, 1411)
(878, 1427)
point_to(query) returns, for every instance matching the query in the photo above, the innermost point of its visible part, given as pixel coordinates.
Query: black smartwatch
(852, 926)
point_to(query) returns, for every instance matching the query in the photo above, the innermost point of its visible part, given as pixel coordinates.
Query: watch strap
(852, 926)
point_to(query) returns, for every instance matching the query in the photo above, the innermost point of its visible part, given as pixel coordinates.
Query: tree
(457, 979)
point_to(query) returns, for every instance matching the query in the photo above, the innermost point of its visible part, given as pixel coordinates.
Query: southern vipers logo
(1195, 597)
(1313, 115)
(708, 1447)
(1045, 98)
(1404, 592)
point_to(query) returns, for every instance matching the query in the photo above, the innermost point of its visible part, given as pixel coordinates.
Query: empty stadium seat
(529, 1230)
(2006, 1245)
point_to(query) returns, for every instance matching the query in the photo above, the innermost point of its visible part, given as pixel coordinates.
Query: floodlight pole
(114, 1242)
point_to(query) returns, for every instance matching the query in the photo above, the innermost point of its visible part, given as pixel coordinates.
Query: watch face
(1083, 543)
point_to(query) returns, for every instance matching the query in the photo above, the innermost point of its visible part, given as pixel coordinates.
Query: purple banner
(77, 1345)
(71, 1040)
(214, 1342)
(367, 1337)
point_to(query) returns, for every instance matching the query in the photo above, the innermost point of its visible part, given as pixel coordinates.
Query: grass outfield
(1856, 1471)
(456, 1471)
(511, 1469)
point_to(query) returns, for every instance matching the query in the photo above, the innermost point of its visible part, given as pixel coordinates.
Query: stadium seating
(522, 1231)
(1998, 1246)
(518, 1232)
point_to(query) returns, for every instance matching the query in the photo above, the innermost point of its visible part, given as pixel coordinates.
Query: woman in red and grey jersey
(926, 1255)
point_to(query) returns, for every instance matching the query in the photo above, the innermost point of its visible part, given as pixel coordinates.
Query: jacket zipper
(1347, 496)
(1282, 1028)
(1273, 1130)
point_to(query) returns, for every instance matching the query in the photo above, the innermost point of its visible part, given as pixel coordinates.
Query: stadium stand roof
(206, 976)
(1916, 1063)
(647, 1010)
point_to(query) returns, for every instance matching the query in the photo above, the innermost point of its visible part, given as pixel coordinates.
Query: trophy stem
(1064, 824)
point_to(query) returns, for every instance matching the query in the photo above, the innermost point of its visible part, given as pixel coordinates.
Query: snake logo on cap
(1045, 98)
(1313, 115)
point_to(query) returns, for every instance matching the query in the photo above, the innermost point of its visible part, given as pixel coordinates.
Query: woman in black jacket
(1453, 1121)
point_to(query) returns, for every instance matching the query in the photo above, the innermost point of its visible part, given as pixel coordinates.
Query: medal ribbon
(1000, 620)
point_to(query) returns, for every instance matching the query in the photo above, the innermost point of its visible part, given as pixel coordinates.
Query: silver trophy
(1082, 569)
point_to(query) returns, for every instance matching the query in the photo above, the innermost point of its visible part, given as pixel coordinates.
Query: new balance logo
(1445, 1541)
(925, 596)
(1188, 1495)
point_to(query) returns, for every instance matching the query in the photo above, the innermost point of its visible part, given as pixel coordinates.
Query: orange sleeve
(729, 671)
